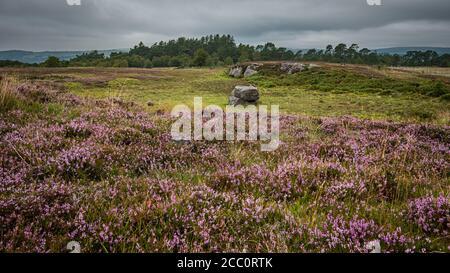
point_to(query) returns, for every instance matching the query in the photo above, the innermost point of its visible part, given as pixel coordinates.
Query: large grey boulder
(251, 70)
(292, 68)
(236, 101)
(236, 71)
(244, 95)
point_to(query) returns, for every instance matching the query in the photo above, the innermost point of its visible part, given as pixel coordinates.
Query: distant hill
(404, 50)
(39, 57)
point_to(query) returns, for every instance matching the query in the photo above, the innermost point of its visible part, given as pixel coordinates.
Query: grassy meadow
(331, 90)
(365, 157)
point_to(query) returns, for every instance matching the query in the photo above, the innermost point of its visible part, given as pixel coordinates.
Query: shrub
(438, 89)
(435, 89)
(228, 61)
(445, 97)
(52, 62)
(430, 214)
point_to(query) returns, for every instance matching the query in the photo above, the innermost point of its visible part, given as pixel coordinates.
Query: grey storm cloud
(99, 24)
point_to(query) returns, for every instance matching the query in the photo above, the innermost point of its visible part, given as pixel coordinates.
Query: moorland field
(364, 157)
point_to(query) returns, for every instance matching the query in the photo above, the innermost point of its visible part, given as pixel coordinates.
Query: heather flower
(430, 214)
(89, 159)
(114, 180)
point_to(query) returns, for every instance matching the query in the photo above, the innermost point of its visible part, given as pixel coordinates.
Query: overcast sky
(105, 24)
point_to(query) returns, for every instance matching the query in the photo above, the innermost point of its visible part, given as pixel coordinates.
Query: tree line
(354, 55)
(220, 50)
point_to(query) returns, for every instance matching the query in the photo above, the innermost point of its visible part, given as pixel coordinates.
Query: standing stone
(251, 70)
(244, 95)
(235, 101)
(292, 68)
(236, 72)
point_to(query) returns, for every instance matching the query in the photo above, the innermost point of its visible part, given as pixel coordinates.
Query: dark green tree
(200, 57)
(52, 61)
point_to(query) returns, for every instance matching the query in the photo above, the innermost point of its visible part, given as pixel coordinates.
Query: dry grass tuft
(8, 92)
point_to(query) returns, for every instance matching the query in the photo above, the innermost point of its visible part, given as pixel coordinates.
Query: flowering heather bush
(110, 177)
(38, 214)
(86, 159)
(283, 182)
(432, 215)
(163, 215)
(339, 235)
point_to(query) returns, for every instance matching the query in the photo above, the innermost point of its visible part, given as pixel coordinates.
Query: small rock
(150, 103)
(374, 246)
